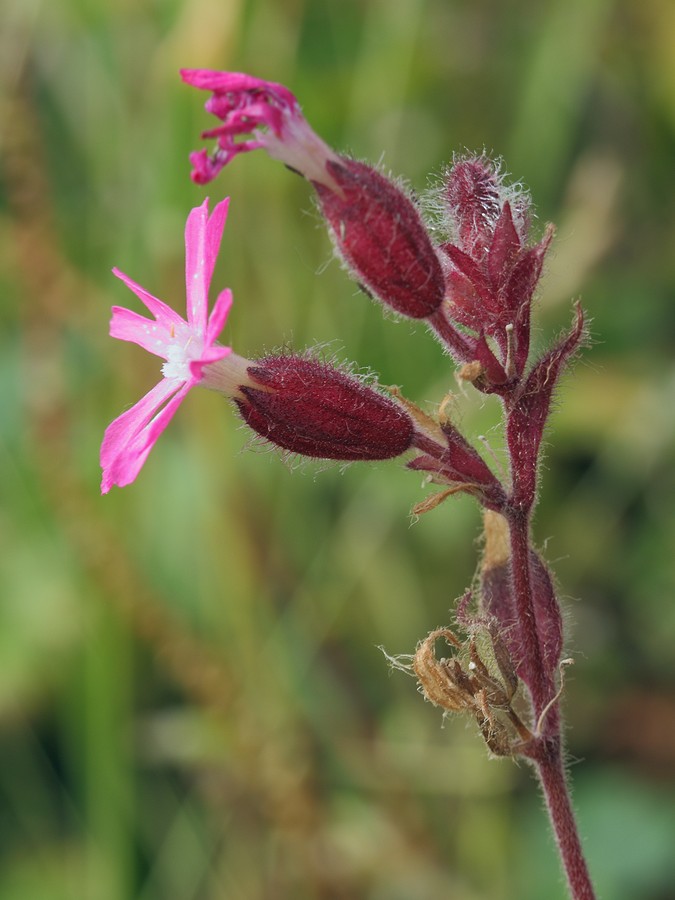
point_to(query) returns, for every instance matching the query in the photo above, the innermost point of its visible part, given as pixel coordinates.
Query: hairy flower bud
(379, 233)
(492, 272)
(474, 198)
(313, 409)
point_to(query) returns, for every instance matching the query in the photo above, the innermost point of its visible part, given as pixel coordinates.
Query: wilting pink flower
(269, 113)
(376, 228)
(186, 346)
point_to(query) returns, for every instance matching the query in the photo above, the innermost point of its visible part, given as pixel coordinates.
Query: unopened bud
(492, 272)
(313, 409)
(475, 198)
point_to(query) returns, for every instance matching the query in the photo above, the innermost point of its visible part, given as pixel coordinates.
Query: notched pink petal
(153, 336)
(203, 235)
(204, 167)
(120, 453)
(197, 275)
(218, 317)
(164, 416)
(233, 82)
(214, 233)
(158, 308)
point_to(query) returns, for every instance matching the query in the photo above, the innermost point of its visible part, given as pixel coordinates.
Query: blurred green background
(192, 702)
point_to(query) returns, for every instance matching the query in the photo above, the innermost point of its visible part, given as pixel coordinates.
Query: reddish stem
(545, 752)
(456, 342)
(541, 688)
(551, 773)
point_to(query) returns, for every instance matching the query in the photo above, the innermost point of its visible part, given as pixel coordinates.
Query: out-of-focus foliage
(192, 702)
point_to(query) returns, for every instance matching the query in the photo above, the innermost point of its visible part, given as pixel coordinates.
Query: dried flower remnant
(498, 602)
(481, 682)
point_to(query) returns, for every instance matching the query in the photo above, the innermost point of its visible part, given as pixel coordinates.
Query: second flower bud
(314, 409)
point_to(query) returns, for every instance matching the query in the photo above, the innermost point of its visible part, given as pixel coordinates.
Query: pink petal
(214, 234)
(231, 82)
(204, 168)
(203, 235)
(130, 438)
(159, 309)
(165, 415)
(196, 287)
(209, 356)
(218, 317)
(151, 335)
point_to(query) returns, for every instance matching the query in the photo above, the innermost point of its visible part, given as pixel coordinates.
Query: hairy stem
(551, 772)
(453, 339)
(519, 529)
(545, 752)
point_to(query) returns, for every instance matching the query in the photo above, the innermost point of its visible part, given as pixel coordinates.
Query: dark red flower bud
(475, 198)
(491, 272)
(380, 235)
(313, 409)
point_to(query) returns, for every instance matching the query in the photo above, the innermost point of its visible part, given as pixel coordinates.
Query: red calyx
(313, 409)
(381, 237)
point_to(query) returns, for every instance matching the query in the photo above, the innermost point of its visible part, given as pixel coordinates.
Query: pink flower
(186, 346)
(269, 113)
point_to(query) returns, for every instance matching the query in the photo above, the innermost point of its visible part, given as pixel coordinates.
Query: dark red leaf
(504, 248)
(527, 418)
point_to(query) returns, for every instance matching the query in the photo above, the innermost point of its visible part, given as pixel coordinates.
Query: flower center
(180, 353)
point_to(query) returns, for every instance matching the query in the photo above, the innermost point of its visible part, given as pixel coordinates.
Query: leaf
(504, 248)
(527, 419)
